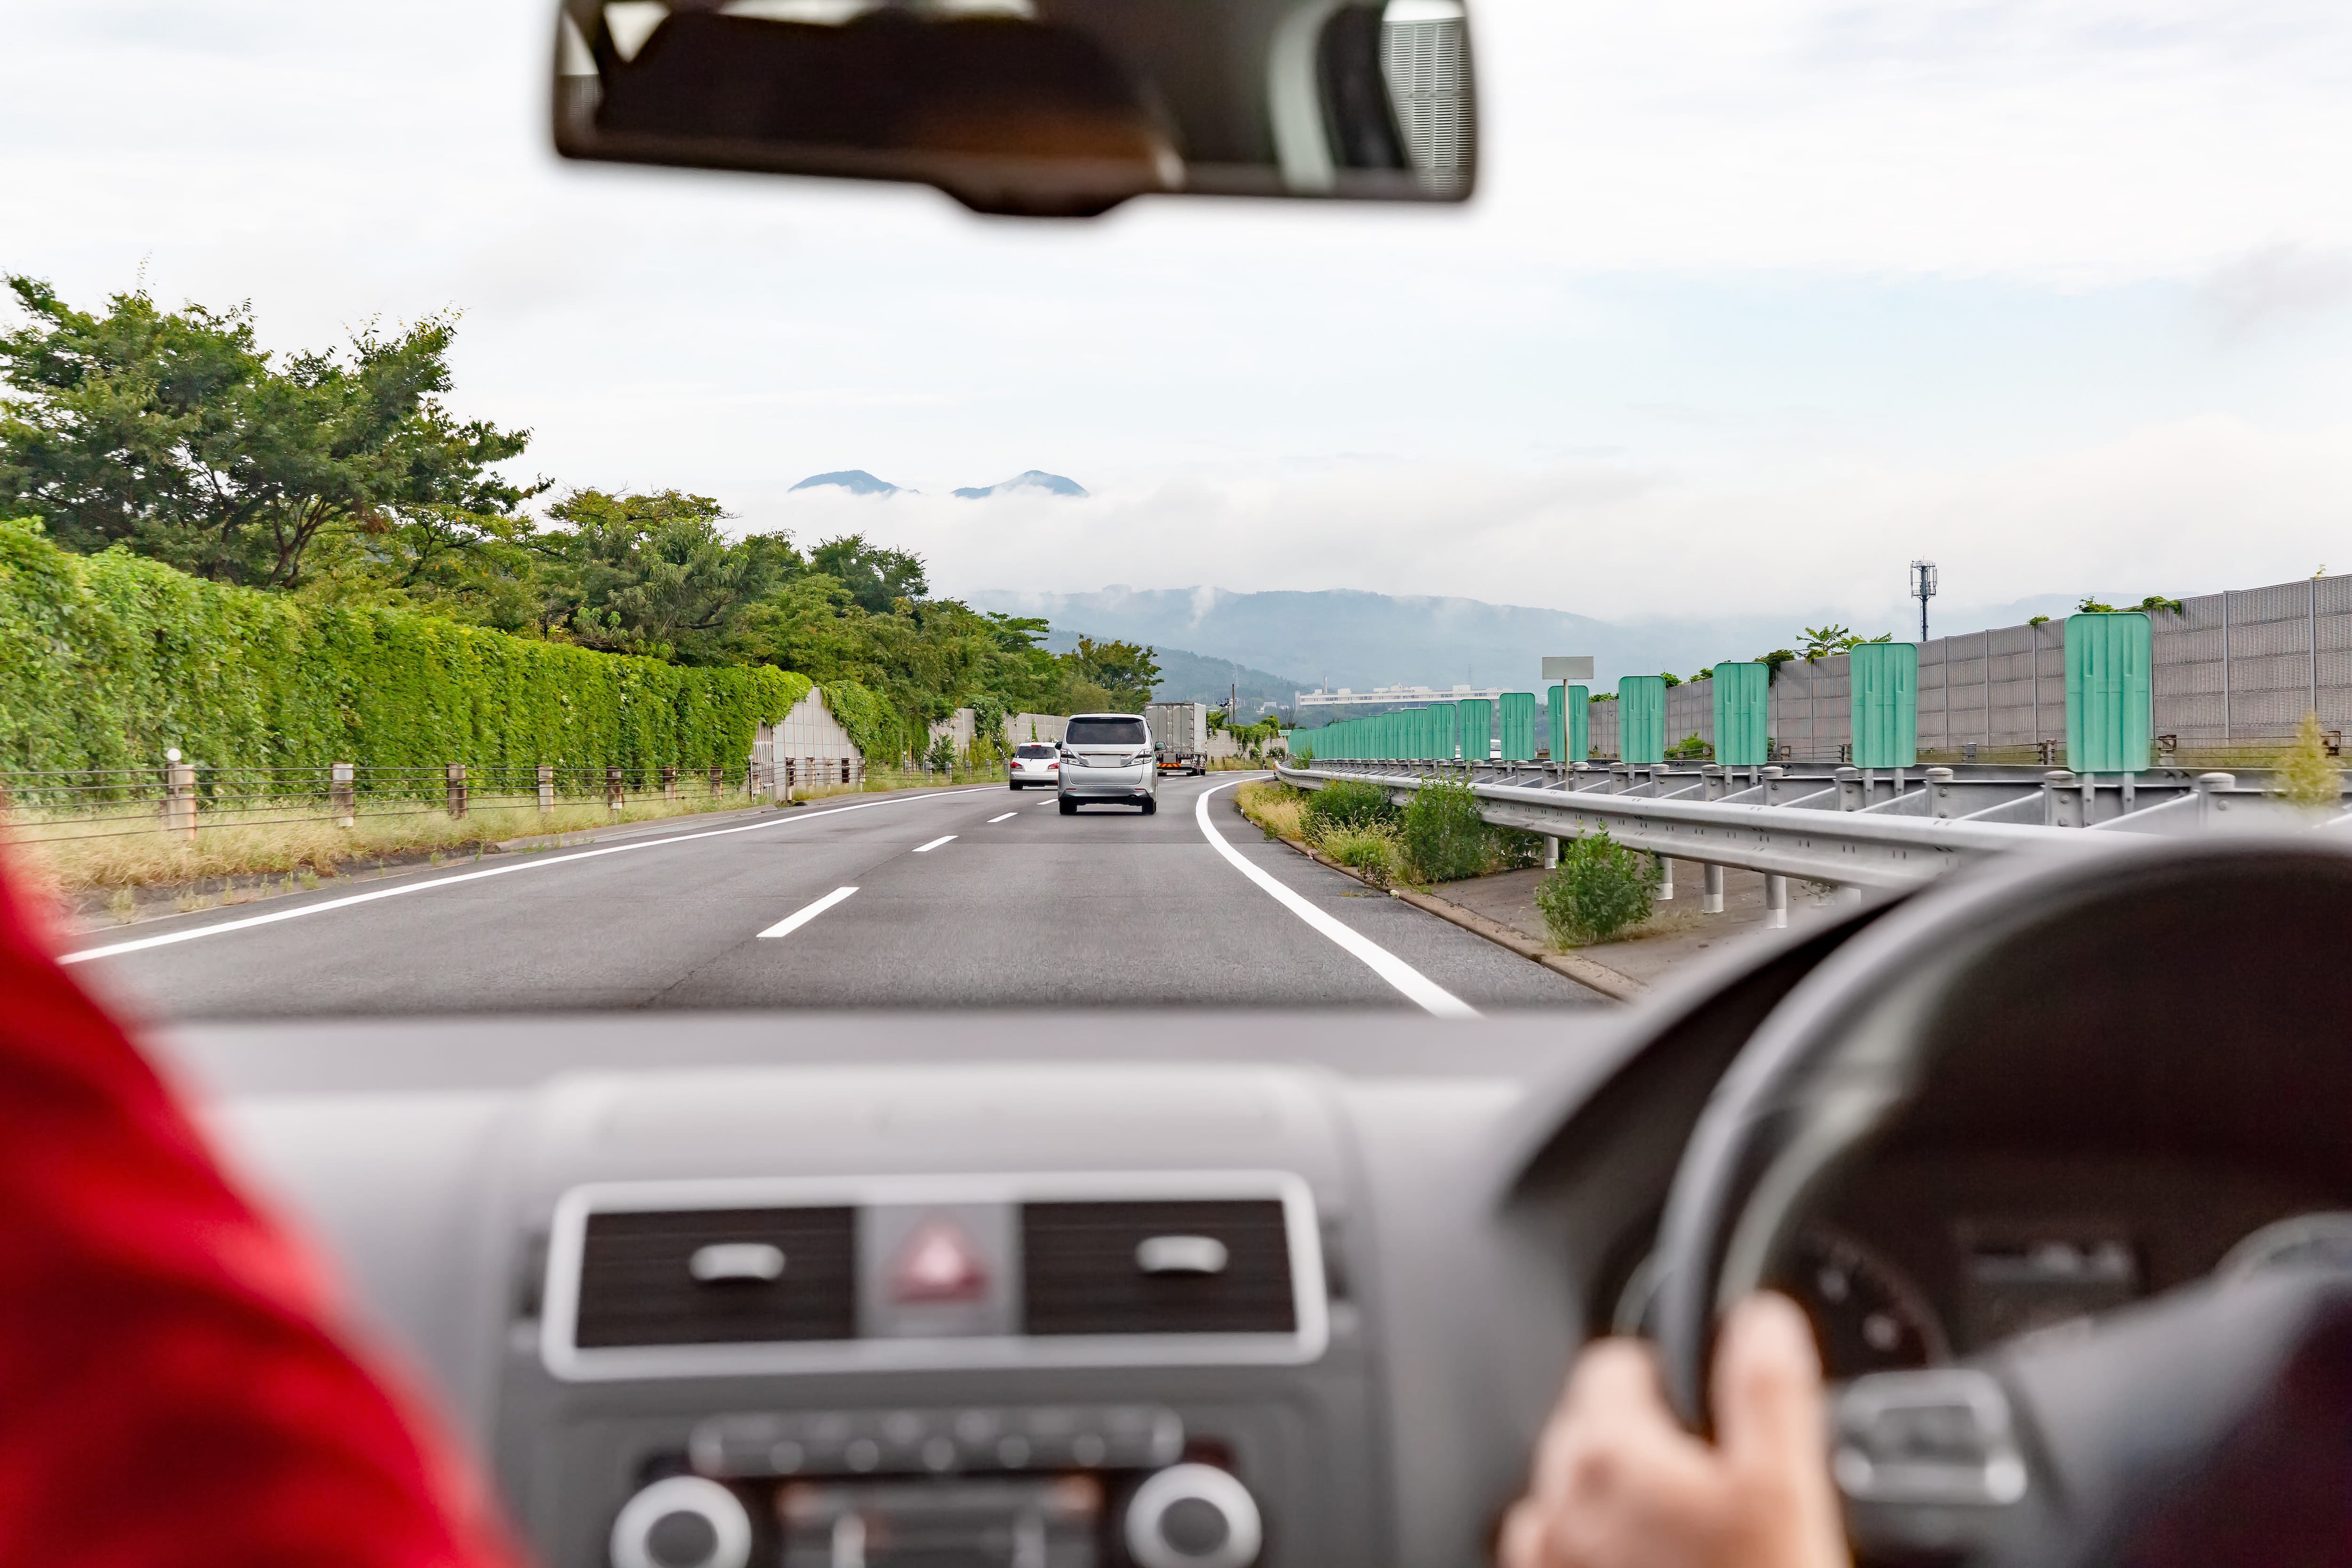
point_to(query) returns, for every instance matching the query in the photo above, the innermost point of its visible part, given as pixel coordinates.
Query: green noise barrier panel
(2110, 702)
(1477, 728)
(1743, 695)
(1642, 718)
(1518, 717)
(1578, 701)
(1884, 677)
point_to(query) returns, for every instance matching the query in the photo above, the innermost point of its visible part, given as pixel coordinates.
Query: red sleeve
(171, 1394)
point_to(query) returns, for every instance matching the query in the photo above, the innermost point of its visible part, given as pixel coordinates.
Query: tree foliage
(343, 479)
(174, 433)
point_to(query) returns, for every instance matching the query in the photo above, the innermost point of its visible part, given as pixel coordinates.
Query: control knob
(1193, 1516)
(684, 1521)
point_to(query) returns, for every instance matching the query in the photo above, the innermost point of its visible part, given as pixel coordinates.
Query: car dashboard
(1213, 1290)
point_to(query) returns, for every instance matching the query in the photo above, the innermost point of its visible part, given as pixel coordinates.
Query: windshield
(1106, 733)
(437, 575)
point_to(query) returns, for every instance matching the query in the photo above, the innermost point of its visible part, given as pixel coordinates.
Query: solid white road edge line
(934, 844)
(1006, 817)
(799, 918)
(1416, 986)
(141, 944)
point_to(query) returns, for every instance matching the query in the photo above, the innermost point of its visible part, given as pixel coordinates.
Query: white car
(1109, 757)
(1033, 763)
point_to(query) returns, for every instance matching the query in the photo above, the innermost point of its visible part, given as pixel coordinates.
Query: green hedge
(107, 659)
(879, 732)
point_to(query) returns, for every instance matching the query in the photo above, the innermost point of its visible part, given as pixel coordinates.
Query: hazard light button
(937, 1270)
(939, 1263)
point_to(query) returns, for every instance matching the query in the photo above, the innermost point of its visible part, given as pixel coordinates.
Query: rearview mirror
(1045, 106)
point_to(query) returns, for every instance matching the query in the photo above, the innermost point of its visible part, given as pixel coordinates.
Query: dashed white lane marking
(934, 844)
(142, 944)
(1420, 987)
(1006, 817)
(800, 917)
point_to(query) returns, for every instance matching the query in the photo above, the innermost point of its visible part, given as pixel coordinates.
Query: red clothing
(171, 1392)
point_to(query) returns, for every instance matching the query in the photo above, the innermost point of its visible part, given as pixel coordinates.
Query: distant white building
(1392, 696)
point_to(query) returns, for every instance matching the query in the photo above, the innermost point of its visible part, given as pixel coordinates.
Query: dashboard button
(1193, 1516)
(684, 1521)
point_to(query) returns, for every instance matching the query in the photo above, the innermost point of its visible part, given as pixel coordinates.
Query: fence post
(179, 797)
(456, 774)
(342, 795)
(614, 792)
(669, 782)
(546, 788)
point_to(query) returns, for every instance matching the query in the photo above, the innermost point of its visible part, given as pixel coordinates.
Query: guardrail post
(1551, 850)
(1939, 791)
(1711, 781)
(2062, 803)
(1772, 777)
(454, 776)
(616, 793)
(669, 782)
(1849, 788)
(1776, 901)
(180, 797)
(1710, 898)
(342, 797)
(1665, 878)
(2209, 786)
(546, 786)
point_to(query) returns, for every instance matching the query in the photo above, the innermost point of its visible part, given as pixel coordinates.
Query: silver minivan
(1109, 757)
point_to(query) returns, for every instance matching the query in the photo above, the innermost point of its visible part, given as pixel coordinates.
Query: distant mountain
(1362, 640)
(1033, 480)
(856, 481)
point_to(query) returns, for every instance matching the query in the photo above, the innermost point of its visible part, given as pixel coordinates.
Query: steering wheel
(2190, 1427)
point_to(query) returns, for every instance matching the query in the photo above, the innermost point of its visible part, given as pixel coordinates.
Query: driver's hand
(1618, 1484)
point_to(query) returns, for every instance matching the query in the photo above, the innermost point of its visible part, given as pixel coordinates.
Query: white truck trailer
(1180, 735)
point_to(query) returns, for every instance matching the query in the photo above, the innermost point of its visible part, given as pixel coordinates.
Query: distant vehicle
(1109, 757)
(1033, 763)
(1180, 733)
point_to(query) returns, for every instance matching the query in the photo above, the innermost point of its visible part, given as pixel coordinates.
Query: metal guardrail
(1842, 826)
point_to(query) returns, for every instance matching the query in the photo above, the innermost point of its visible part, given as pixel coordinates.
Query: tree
(654, 574)
(877, 578)
(1126, 673)
(172, 434)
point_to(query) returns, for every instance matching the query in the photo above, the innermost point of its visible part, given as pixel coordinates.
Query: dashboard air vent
(700, 1277)
(1185, 1266)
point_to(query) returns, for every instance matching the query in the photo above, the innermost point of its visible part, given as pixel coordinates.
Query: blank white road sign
(1578, 667)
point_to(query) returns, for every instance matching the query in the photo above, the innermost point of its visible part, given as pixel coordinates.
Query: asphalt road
(956, 904)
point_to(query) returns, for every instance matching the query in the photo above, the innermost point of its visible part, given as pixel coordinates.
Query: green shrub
(1443, 836)
(107, 659)
(2305, 775)
(1511, 849)
(1349, 803)
(1372, 850)
(1598, 889)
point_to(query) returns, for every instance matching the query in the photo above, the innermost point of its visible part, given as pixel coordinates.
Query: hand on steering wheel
(1618, 1483)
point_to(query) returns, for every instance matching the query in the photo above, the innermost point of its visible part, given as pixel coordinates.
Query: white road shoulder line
(934, 844)
(800, 917)
(1006, 817)
(140, 945)
(1416, 986)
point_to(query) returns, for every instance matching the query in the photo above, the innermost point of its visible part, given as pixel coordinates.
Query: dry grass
(65, 862)
(1275, 807)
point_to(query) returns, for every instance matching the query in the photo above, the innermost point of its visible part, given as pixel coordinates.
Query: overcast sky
(1759, 299)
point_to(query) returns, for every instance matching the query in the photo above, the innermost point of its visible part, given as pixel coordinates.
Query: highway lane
(969, 897)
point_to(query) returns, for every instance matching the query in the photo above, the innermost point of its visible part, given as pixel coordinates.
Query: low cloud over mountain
(856, 481)
(1033, 480)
